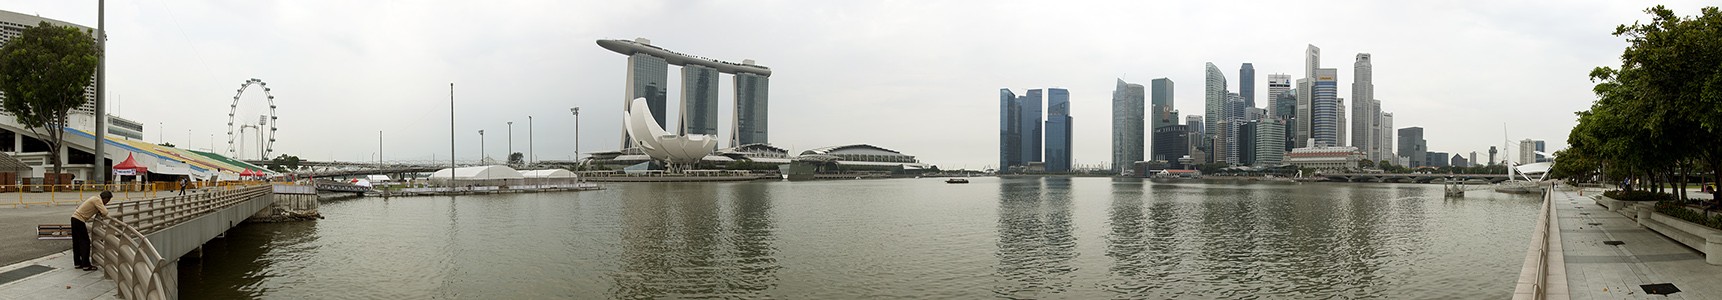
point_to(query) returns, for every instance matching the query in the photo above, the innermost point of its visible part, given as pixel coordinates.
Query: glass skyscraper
(1010, 134)
(1172, 142)
(750, 109)
(1058, 130)
(1127, 125)
(648, 77)
(1247, 84)
(1163, 115)
(1324, 115)
(1412, 146)
(699, 100)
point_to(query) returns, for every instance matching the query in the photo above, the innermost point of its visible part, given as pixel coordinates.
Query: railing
(1540, 288)
(154, 214)
(128, 258)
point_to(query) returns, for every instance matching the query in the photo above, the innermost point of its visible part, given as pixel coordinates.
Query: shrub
(1677, 210)
(1638, 196)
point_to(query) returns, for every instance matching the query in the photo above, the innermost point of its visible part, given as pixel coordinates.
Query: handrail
(1540, 287)
(127, 257)
(155, 214)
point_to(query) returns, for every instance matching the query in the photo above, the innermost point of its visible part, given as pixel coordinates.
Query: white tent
(550, 176)
(170, 167)
(377, 178)
(479, 176)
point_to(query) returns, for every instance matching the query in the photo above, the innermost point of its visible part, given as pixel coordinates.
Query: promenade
(1595, 270)
(42, 269)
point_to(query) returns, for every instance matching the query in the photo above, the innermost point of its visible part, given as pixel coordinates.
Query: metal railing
(130, 260)
(155, 214)
(1540, 288)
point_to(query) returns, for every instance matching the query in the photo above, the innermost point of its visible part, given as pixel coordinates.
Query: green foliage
(1675, 209)
(283, 163)
(165, 144)
(516, 158)
(1637, 196)
(43, 73)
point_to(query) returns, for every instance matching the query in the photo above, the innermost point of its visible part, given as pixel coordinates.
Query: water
(1086, 238)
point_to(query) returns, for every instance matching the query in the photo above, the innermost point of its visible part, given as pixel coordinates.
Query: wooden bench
(54, 232)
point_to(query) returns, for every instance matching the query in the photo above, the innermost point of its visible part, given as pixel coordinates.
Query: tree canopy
(43, 73)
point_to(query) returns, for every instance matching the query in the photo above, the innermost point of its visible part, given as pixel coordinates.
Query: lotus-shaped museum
(678, 151)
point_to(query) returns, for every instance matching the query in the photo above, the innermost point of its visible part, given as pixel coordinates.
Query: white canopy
(170, 167)
(551, 173)
(377, 177)
(477, 173)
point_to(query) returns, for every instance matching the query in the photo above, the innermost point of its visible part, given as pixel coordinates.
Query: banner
(125, 172)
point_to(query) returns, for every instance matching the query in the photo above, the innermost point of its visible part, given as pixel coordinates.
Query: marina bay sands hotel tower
(648, 77)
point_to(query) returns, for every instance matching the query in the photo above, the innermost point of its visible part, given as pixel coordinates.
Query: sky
(920, 77)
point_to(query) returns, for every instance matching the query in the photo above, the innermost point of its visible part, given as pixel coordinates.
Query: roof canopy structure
(477, 173)
(551, 173)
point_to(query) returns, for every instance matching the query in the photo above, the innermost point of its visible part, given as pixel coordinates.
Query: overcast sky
(921, 77)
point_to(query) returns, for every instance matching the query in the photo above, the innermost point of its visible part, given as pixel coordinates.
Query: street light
(481, 147)
(530, 156)
(576, 111)
(510, 155)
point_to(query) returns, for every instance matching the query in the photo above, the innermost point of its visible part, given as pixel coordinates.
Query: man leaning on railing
(95, 206)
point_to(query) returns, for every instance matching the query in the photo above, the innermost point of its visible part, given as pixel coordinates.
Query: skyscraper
(1247, 84)
(750, 109)
(1340, 125)
(1324, 113)
(1540, 151)
(1246, 141)
(1215, 100)
(1163, 113)
(1280, 84)
(1363, 111)
(1010, 133)
(1412, 146)
(1231, 135)
(1527, 152)
(1058, 130)
(1270, 141)
(648, 77)
(1031, 130)
(1385, 143)
(699, 100)
(1305, 122)
(1224, 151)
(1172, 142)
(1127, 125)
(1286, 110)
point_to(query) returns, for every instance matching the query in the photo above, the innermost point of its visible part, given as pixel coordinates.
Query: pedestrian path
(53, 277)
(1597, 270)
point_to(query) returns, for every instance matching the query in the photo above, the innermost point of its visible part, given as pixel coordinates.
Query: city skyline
(836, 78)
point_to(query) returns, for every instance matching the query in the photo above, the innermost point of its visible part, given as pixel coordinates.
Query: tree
(516, 158)
(165, 144)
(43, 73)
(283, 162)
(1365, 163)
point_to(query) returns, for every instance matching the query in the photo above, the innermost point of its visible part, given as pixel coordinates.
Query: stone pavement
(1595, 270)
(61, 281)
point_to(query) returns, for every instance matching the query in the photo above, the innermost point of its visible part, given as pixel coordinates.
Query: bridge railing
(155, 214)
(128, 258)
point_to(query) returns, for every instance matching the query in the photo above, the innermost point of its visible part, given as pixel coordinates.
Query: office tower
(1540, 151)
(1412, 146)
(1304, 121)
(1458, 161)
(1246, 141)
(1010, 132)
(648, 77)
(699, 100)
(1436, 159)
(1527, 152)
(1253, 114)
(1270, 141)
(1199, 141)
(1286, 110)
(1364, 109)
(1162, 111)
(1473, 161)
(1172, 142)
(750, 109)
(1031, 130)
(1324, 113)
(1058, 130)
(1224, 150)
(1215, 99)
(1235, 116)
(1247, 84)
(1280, 84)
(1127, 125)
(1339, 125)
(1386, 136)
(1196, 125)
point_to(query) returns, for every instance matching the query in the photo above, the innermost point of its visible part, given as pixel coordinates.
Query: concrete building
(1412, 146)
(1472, 161)
(1384, 143)
(1527, 152)
(1270, 141)
(1224, 151)
(1458, 161)
(1341, 124)
(1364, 110)
(1435, 159)
(1492, 152)
(1325, 158)
(648, 77)
(1279, 84)
(1286, 110)
(1058, 130)
(1214, 96)
(1247, 84)
(1311, 62)
(1171, 143)
(1127, 125)
(1324, 123)
(1196, 125)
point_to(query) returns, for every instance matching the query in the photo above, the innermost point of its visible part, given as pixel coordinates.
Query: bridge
(1418, 178)
(139, 245)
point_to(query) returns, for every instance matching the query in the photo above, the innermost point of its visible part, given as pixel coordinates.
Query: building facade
(1010, 134)
(1247, 84)
(1058, 130)
(1214, 95)
(1270, 142)
(1324, 116)
(1363, 111)
(1325, 158)
(1305, 104)
(648, 77)
(1127, 125)
(1171, 143)
(1412, 146)
(699, 100)
(751, 114)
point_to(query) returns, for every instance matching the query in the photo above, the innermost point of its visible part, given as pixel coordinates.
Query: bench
(54, 232)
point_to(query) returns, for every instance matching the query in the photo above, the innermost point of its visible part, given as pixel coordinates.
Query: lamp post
(510, 155)
(379, 147)
(481, 147)
(576, 111)
(530, 155)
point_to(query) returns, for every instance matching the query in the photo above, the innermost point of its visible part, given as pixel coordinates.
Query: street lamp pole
(576, 111)
(451, 164)
(530, 155)
(510, 155)
(379, 147)
(481, 146)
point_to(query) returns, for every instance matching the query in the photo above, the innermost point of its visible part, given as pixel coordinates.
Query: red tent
(129, 167)
(250, 173)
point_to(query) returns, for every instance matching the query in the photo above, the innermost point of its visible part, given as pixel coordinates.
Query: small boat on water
(956, 180)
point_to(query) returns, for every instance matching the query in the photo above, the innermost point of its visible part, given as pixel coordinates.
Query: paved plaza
(1596, 270)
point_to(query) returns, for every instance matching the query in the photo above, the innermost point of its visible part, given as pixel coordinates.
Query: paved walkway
(1595, 270)
(59, 281)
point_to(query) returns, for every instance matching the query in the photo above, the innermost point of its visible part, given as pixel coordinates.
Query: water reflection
(677, 243)
(1035, 244)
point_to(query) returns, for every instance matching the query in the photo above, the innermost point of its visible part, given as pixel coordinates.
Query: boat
(956, 180)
